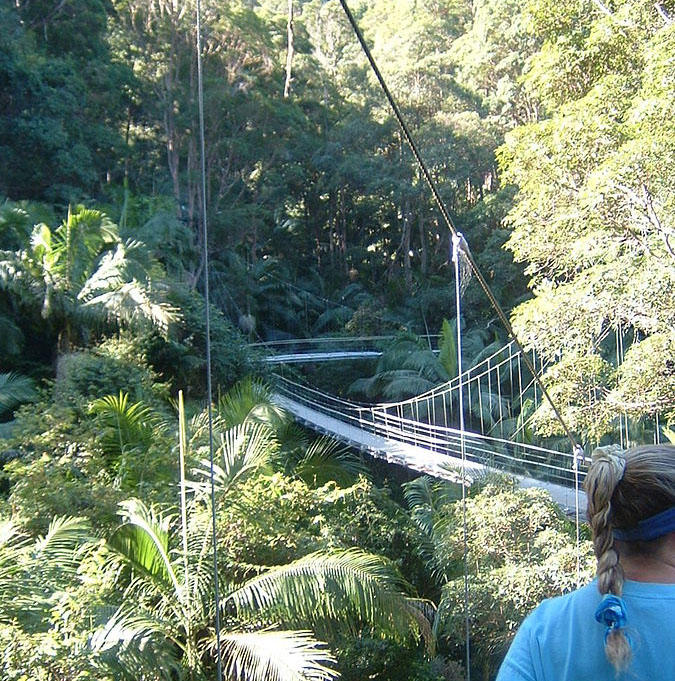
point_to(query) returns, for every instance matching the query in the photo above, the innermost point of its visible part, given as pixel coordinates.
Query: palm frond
(125, 424)
(131, 302)
(244, 449)
(13, 543)
(62, 543)
(338, 587)
(143, 542)
(129, 625)
(249, 399)
(489, 406)
(327, 459)
(276, 656)
(15, 389)
(118, 285)
(405, 383)
(132, 644)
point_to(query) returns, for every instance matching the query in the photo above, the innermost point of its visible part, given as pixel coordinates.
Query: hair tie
(612, 613)
(613, 455)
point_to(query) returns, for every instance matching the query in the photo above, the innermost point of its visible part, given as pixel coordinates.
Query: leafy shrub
(276, 520)
(383, 660)
(117, 364)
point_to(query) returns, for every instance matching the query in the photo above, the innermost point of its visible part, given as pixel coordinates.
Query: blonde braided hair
(622, 490)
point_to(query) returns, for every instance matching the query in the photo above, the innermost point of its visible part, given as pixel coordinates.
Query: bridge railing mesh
(497, 453)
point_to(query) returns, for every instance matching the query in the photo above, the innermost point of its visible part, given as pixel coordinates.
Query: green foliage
(168, 602)
(15, 389)
(593, 214)
(646, 378)
(81, 276)
(63, 99)
(180, 357)
(577, 385)
(384, 660)
(507, 578)
(274, 519)
(56, 470)
(405, 369)
(114, 366)
(448, 348)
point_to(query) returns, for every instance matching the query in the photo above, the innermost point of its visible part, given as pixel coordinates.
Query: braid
(601, 482)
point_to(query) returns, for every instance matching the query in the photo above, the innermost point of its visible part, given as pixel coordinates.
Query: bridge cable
(457, 240)
(209, 387)
(448, 220)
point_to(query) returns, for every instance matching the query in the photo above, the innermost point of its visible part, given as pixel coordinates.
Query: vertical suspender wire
(578, 454)
(456, 239)
(618, 363)
(209, 386)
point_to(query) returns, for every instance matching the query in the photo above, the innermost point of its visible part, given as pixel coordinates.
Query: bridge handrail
(430, 436)
(468, 377)
(330, 339)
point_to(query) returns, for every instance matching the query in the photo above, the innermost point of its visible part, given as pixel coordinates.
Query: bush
(117, 364)
(383, 660)
(276, 520)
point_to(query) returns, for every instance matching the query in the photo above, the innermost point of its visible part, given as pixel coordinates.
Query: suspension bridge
(420, 433)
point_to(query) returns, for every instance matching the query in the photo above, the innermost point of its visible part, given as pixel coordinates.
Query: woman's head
(623, 490)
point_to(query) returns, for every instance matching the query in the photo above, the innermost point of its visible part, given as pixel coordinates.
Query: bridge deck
(414, 457)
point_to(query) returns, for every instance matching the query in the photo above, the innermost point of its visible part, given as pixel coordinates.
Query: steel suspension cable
(209, 385)
(456, 245)
(448, 220)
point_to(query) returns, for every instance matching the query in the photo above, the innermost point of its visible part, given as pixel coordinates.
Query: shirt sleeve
(518, 665)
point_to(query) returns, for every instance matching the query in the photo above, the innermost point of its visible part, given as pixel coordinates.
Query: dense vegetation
(549, 128)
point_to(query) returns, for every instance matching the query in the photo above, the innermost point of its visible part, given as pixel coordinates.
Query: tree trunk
(289, 50)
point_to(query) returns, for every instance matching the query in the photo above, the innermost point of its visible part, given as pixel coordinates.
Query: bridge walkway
(413, 456)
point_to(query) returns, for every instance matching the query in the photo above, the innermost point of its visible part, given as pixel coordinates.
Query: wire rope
(456, 245)
(209, 385)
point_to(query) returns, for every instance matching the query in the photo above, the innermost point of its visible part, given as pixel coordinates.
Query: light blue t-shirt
(561, 641)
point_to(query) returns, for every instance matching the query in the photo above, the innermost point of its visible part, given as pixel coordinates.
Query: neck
(654, 567)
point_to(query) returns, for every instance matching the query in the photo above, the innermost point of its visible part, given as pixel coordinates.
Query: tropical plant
(31, 570)
(126, 434)
(14, 390)
(81, 272)
(165, 620)
(406, 368)
(296, 452)
(510, 578)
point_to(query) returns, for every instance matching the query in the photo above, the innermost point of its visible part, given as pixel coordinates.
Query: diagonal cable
(448, 221)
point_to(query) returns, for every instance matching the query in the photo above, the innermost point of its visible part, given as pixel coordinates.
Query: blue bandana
(650, 528)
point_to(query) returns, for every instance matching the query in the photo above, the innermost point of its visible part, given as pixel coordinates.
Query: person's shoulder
(583, 598)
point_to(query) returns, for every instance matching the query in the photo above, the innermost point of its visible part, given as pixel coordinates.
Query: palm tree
(31, 570)
(316, 460)
(82, 272)
(405, 369)
(164, 625)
